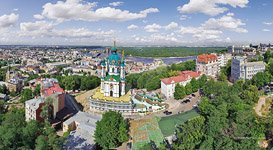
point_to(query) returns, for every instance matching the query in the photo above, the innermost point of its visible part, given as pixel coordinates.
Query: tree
(11, 129)
(153, 84)
(37, 90)
(222, 77)
(47, 109)
(190, 133)
(3, 89)
(30, 132)
(179, 92)
(16, 133)
(202, 81)
(261, 78)
(26, 95)
(41, 143)
(267, 56)
(111, 130)
(188, 89)
(2, 106)
(194, 84)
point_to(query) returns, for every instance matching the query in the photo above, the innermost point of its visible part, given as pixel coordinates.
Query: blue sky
(136, 22)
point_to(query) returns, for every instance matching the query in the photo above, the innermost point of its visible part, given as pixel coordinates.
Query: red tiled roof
(205, 58)
(53, 89)
(183, 76)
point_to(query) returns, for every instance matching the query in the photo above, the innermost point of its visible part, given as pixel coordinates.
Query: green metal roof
(114, 49)
(112, 78)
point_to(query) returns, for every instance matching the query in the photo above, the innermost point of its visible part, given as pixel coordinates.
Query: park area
(154, 129)
(168, 124)
(144, 131)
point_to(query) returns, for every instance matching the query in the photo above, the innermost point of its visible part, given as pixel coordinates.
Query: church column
(122, 72)
(103, 71)
(122, 88)
(107, 89)
(116, 69)
(116, 90)
(102, 86)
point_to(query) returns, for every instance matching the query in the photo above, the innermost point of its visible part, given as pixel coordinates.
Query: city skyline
(135, 23)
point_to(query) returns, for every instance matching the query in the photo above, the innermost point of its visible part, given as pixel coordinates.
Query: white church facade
(113, 75)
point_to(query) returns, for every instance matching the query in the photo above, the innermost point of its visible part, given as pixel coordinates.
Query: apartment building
(241, 69)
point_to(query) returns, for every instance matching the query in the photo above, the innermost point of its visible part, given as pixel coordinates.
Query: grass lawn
(167, 124)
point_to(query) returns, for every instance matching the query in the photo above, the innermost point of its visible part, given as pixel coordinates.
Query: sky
(136, 22)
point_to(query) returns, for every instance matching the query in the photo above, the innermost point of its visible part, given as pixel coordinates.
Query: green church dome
(114, 57)
(114, 49)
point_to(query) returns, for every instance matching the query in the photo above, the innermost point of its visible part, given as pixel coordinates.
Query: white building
(223, 59)
(168, 84)
(33, 109)
(241, 69)
(208, 64)
(236, 49)
(113, 75)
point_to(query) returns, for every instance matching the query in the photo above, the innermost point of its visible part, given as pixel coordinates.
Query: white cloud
(83, 33)
(47, 29)
(132, 27)
(79, 10)
(38, 16)
(156, 27)
(266, 30)
(171, 26)
(268, 23)
(201, 33)
(38, 28)
(152, 27)
(156, 39)
(210, 7)
(184, 17)
(115, 4)
(8, 20)
(227, 22)
(213, 29)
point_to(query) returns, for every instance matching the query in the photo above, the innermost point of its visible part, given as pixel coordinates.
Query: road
(176, 106)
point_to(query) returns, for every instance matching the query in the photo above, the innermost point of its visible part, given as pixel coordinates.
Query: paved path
(259, 105)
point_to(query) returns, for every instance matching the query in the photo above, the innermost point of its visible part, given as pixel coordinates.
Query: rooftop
(112, 78)
(125, 98)
(82, 137)
(35, 103)
(206, 58)
(51, 86)
(183, 76)
(85, 120)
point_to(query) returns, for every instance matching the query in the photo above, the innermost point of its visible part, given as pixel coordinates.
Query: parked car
(169, 113)
(186, 101)
(129, 146)
(193, 95)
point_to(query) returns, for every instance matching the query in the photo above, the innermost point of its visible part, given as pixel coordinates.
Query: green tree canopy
(179, 92)
(111, 130)
(26, 95)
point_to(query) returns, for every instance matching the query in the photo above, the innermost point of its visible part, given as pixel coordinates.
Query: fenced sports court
(144, 131)
(168, 124)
